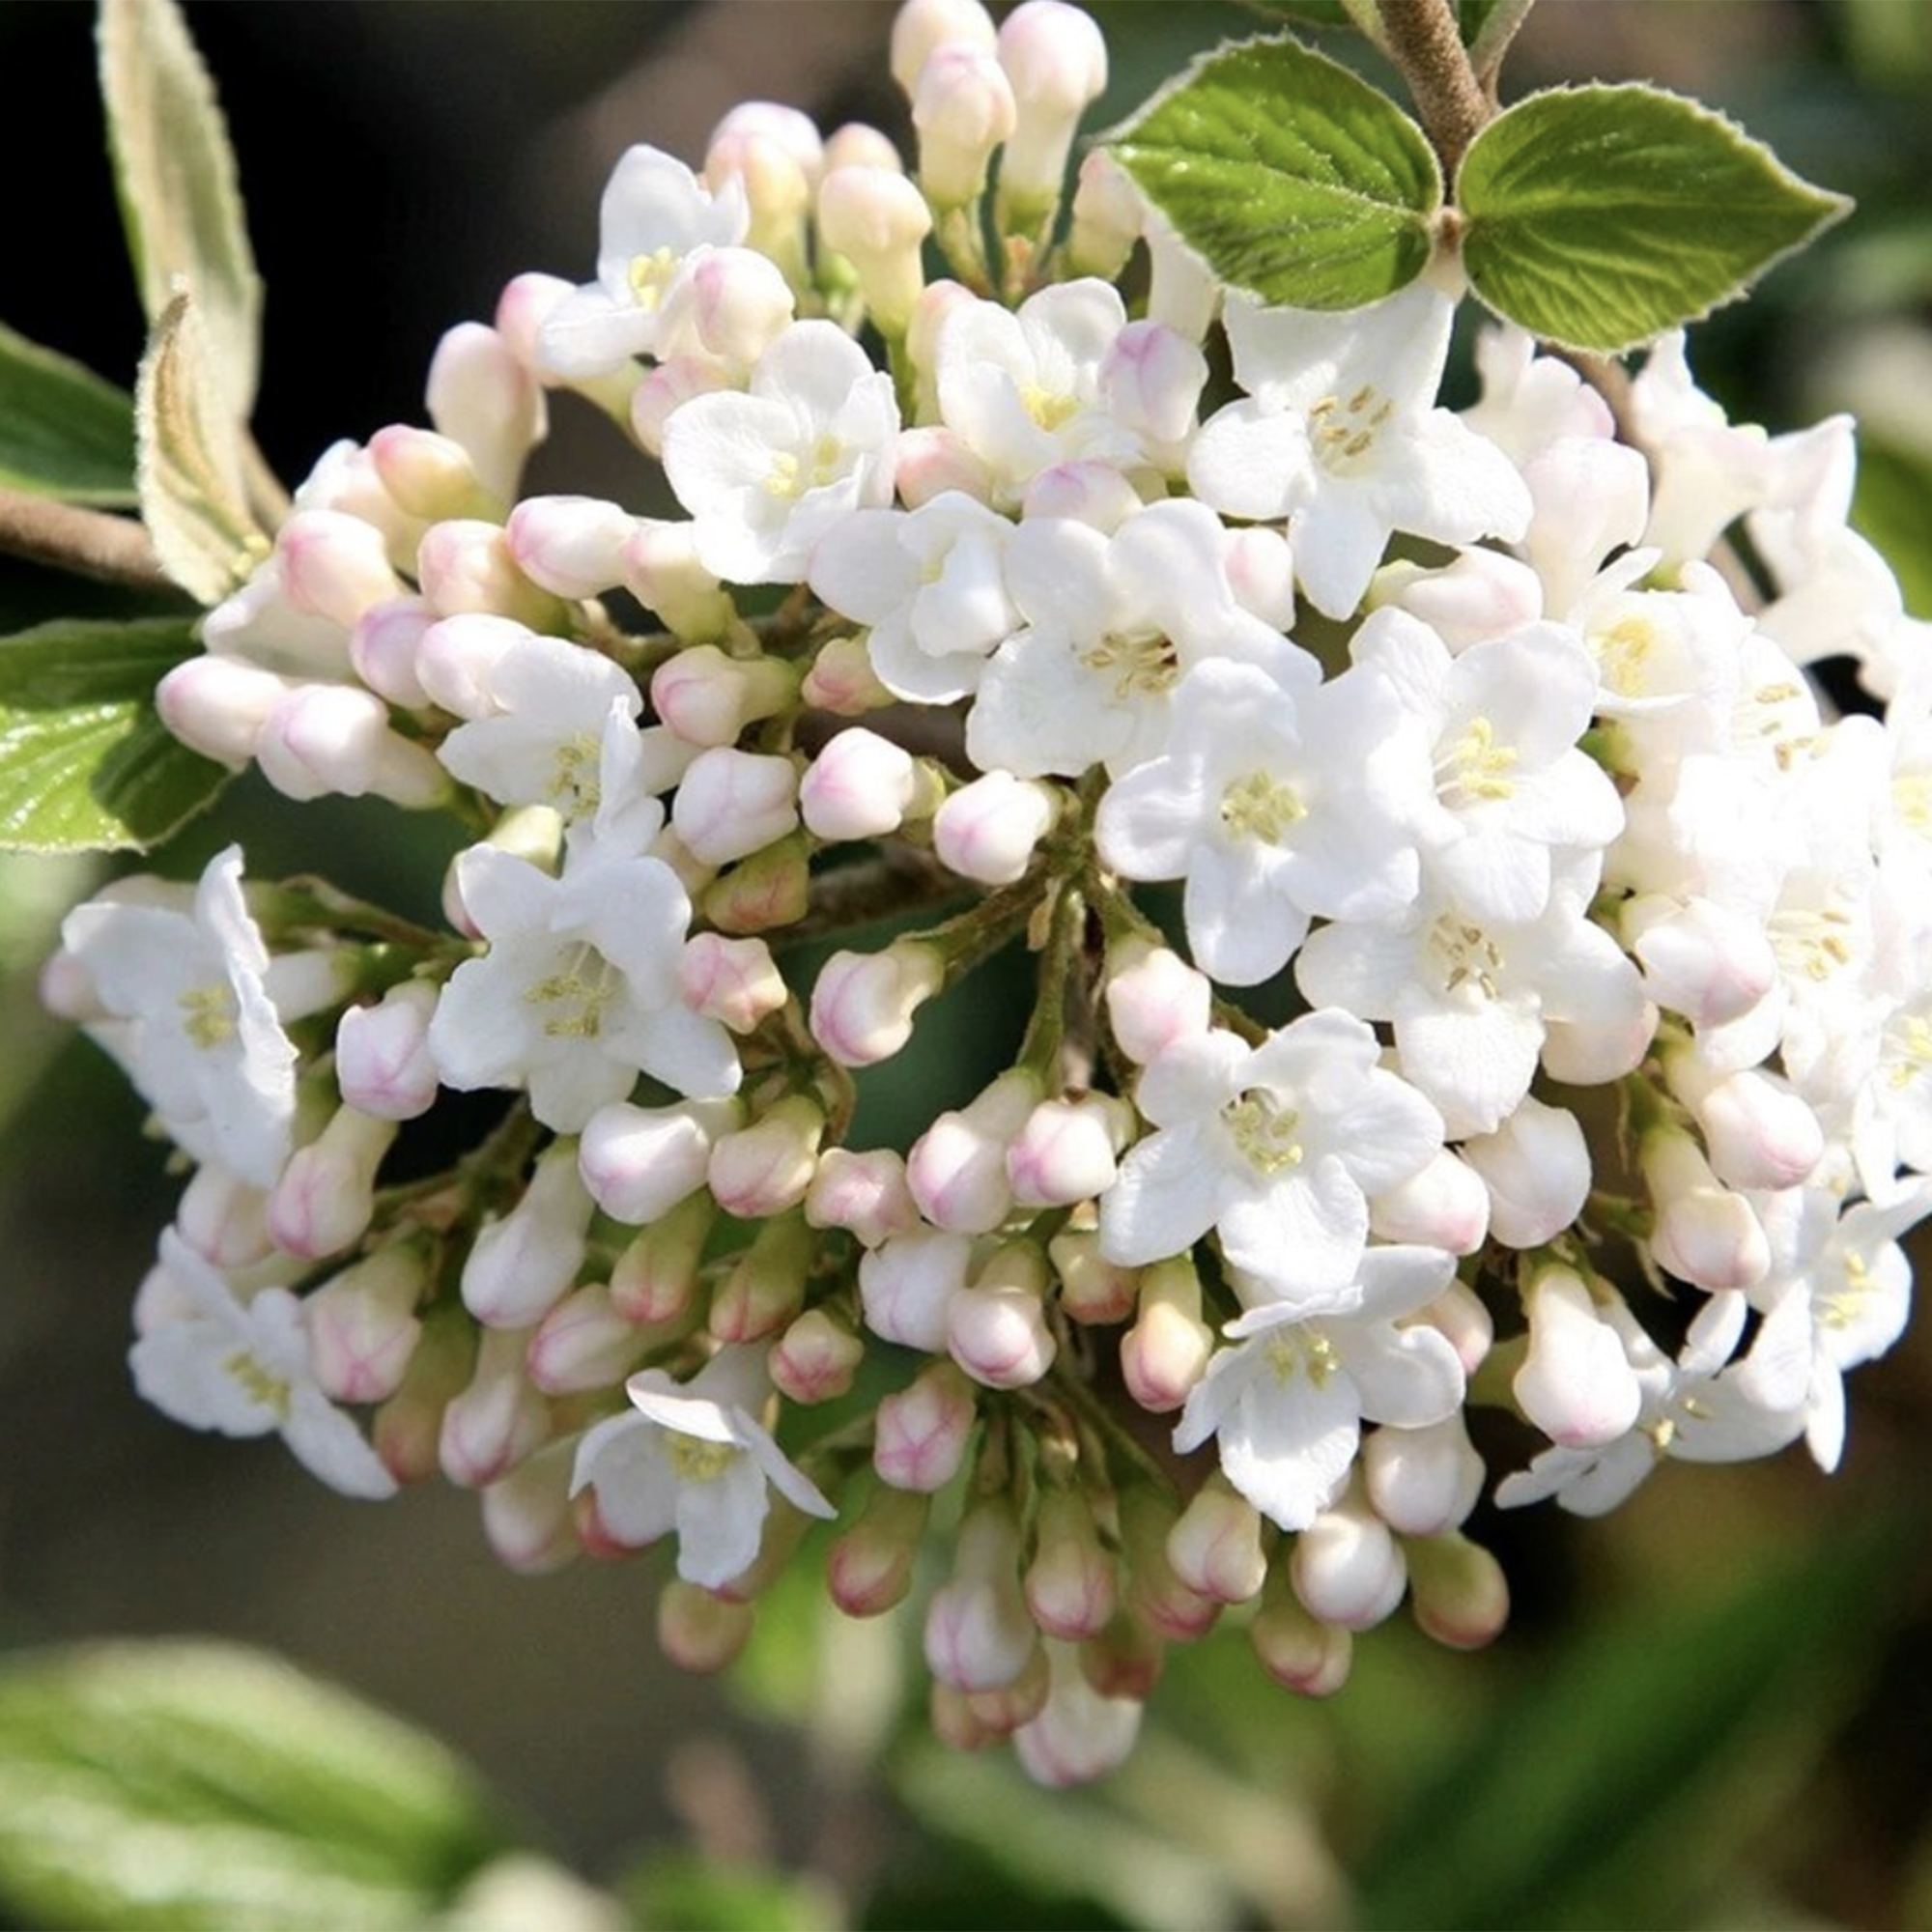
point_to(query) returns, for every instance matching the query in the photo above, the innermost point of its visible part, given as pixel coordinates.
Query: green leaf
(85, 763)
(175, 172)
(1600, 217)
(1889, 507)
(681, 1892)
(189, 460)
(1630, 1765)
(1304, 12)
(199, 1787)
(1287, 175)
(64, 432)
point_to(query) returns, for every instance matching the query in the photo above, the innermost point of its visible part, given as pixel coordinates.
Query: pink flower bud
(732, 804)
(1125, 1659)
(527, 1516)
(1079, 1735)
(1589, 1054)
(322, 739)
(1156, 1595)
(700, 1631)
(999, 1712)
(938, 303)
(920, 1433)
(1215, 1545)
(1261, 573)
(1704, 1233)
(362, 1325)
(978, 1634)
(1167, 1350)
(958, 1168)
(1092, 1289)
(383, 1065)
(1091, 492)
(863, 1193)
(842, 681)
(1065, 1150)
(859, 786)
(1056, 59)
(498, 1419)
(989, 829)
(1069, 1585)
(409, 1426)
(907, 1281)
(933, 460)
(996, 1329)
(217, 705)
(1301, 1653)
(734, 301)
(663, 573)
(921, 27)
(733, 981)
(816, 1359)
(877, 220)
(862, 1003)
(428, 475)
(1458, 1592)
(655, 1279)
(482, 390)
(571, 546)
(789, 129)
(1536, 1167)
(334, 565)
(653, 402)
(1712, 963)
(962, 108)
(383, 649)
(708, 698)
(1459, 1316)
(771, 887)
(868, 1569)
(456, 661)
(1155, 999)
(224, 1219)
(1108, 214)
(1347, 1569)
(1575, 1382)
(1591, 496)
(857, 143)
(765, 1168)
(765, 1288)
(520, 1266)
(327, 1194)
(1760, 1134)
(465, 566)
(1483, 594)
(584, 1343)
(1152, 379)
(1423, 1481)
(1446, 1204)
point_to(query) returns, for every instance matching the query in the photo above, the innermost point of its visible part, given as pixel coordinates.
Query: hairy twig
(1422, 41)
(90, 543)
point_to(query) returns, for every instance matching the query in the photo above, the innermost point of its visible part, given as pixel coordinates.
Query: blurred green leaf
(1600, 217)
(1892, 506)
(199, 1787)
(64, 432)
(1611, 1789)
(680, 1892)
(1290, 176)
(175, 172)
(85, 762)
(1304, 12)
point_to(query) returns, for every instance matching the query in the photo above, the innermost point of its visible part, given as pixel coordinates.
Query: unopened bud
(584, 1343)
(996, 1329)
(1152, 379)
(1760, 1134)
(922, 1432)
(765, 1168)
(765, 1288)
(1296, 1649)
(334, 565)
(1155, 999)
(382, 1063)
(732, 303)
(1215, 1545)
(863, 1193)
(1261, 573)
(1704, 1232)
(655, 400)
(815, 1358)
(520, 1266)
(465, 566)
(217, 705)
(1446, 1204)
(482, 390)
(571, 546)
(527, 1516)
(1066, 1149)
(732, 804)
(1156, 1595)
(1575, 1382)
(1483, 594)
(1348, 1567)
(868, 1569)
(655, 1279)
(958, 1168)
(862, 1003)
(363, 1324)
(1593, 1052)
(700, 1631)
(665, 577)
(1092, 1289)
(1002, 1711)
(1536, 1167)
(498, 1419)
(921, 27)
(326, 1195)
(223, 1218)
(1423, 1481)
(320, 739)
(1108, 214)
(962, 108)
(906, 1283)
(708, 698)
(408, 1425)
(978, 1634)
(877, 220)
(841, 680)
(430, 476)
(1167, 1350)
(988, 830)
(862, 787)
(933, 461)
(1071, 1586)
(1056, 60)
(1712, 963)
(457, 657)
(639, 1162)
(771, 887)
(1079, 1735)
(1458, 1592)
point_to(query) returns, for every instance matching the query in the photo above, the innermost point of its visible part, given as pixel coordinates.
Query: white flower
(244, 1369)
(1287, 1404)
(202, 1039)
(1277, 1148)
(1337, 434)
(767, 474)
(1273, 805)
(577, 993)
(691, 1457)
(655, 212)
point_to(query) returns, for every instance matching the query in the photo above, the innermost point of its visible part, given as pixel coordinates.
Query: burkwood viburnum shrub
(1475, 742)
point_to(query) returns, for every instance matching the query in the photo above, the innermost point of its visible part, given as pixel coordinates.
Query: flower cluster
(1472, 749)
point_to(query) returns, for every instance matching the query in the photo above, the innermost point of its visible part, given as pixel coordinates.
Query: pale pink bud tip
(863, 1003)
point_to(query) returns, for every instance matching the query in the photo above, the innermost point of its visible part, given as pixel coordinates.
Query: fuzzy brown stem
(1425, 44)
(89, 543)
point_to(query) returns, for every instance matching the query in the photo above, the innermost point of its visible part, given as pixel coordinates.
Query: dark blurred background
(401, 160)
